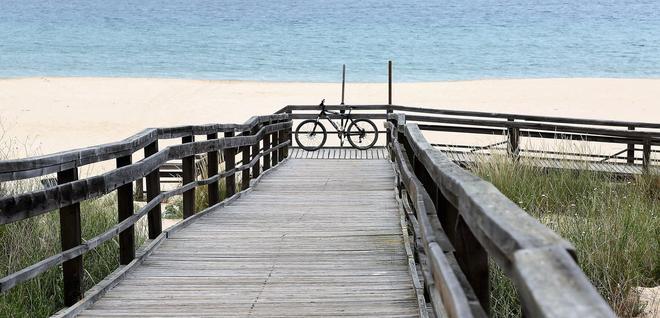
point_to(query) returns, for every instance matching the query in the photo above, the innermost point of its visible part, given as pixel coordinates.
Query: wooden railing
(460, 221)
(639, 140)
(272, 130)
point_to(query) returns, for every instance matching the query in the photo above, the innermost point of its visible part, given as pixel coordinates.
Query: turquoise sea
(308, 40)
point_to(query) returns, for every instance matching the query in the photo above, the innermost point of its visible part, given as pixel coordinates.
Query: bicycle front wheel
(311, 135)
(362, 134)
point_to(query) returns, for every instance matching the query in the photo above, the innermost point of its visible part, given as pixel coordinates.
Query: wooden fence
(270, 131)
(459, 221)
(638, 140)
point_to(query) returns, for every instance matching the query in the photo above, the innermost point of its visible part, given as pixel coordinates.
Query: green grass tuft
(613, 224)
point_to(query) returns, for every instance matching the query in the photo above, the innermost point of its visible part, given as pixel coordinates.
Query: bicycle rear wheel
(362, 134)
(311, 135)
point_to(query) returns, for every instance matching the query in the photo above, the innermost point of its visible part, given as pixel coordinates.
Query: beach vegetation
(612, 222)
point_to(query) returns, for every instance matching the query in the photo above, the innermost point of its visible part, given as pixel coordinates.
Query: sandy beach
(56, 114)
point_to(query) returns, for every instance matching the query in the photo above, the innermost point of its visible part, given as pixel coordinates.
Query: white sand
(63, 113)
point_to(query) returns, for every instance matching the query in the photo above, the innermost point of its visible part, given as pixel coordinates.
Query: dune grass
(29, 241)
(613, 224)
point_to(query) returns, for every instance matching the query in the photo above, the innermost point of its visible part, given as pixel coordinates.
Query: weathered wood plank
(272, 253)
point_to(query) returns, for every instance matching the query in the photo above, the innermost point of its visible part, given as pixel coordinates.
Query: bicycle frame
(345, 122)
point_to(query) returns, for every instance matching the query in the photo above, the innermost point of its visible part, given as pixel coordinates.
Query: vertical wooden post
(70, 233)
(388, 136)
(245, 154)
(255, 152)
(470, 255)
(275, 141)
(154, 221)
(646, 154)
(266, 157)
(630, 153)
(390, 141)
(389, 83)
(513, 134)
(281, 137)
(139, 189)
(288, 133)
(125, 210)
(230, 163)
(473, 260)
(188, 177)
(212, 170)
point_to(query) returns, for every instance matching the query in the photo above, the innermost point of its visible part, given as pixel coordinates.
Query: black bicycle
(361, 133)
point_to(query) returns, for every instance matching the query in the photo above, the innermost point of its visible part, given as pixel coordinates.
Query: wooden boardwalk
(312, 238)
(340, 153)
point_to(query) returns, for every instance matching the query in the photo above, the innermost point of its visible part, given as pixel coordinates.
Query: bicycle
(361, 133)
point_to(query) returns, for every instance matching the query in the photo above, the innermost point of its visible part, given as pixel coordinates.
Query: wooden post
(389, 83)
(155, 224)
(266, 157)
(388, 136)
(255, 152)
(212, 170)
(139, 189)
(70, 233)
(245, 154)
(288, 133)
(281, 138)
(473, 260)
(646, 155)
(630, 153)
(188, 177)
(125, 210)
(230, 163)
(390, 140)
(275, 141)
(514, 139)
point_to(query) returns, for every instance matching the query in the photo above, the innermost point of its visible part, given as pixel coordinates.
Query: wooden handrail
(17, 169)
(513, 126)
(25, 205)
(476, 215)
(463, 113)
(71, 191)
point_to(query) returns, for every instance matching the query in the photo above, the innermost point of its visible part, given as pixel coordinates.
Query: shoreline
(337, 82)
(61, 113)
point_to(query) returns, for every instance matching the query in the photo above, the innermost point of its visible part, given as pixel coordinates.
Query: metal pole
(389, 81)
(343, 82)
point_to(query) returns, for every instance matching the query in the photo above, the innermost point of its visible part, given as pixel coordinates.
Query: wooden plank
(272, 253)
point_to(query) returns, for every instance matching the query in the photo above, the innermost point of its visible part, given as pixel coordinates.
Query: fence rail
(272, 131)
(462, 221)
(637, 137)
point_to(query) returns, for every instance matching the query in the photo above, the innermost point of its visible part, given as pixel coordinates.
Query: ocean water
(309, 40)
